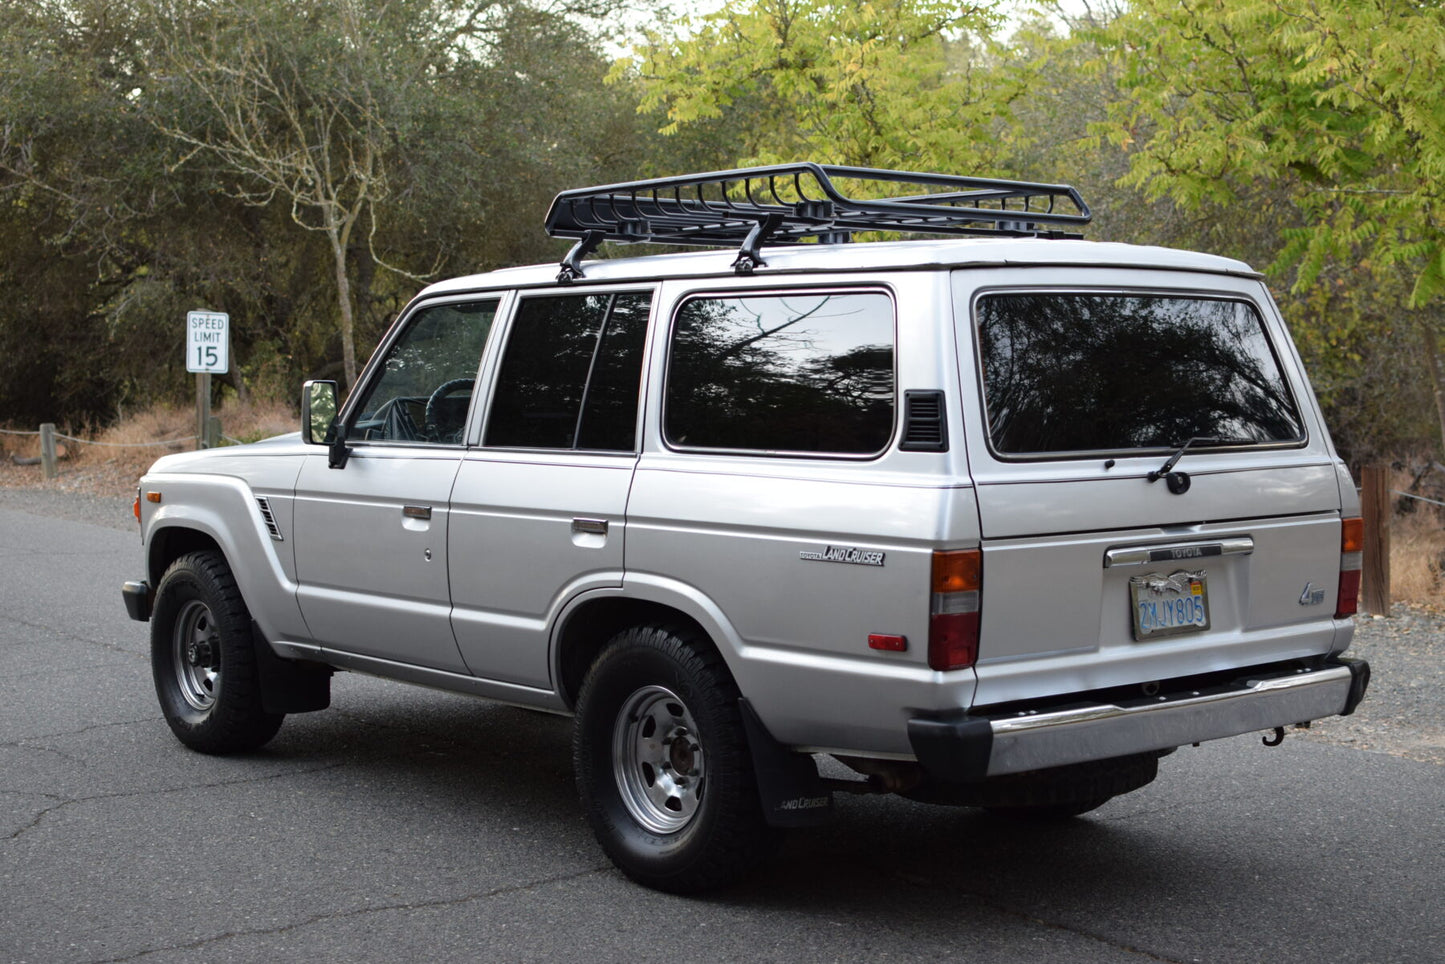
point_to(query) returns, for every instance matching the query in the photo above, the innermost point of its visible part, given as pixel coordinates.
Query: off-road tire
(662, 763)
(203, 659)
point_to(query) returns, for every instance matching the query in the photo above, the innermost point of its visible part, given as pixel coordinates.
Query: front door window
(425, 387)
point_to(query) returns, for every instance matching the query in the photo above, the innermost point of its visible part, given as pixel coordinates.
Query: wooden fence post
(47, 450)
(1375, 504)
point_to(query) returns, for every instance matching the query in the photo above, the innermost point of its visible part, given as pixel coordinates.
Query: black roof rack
(786, 203)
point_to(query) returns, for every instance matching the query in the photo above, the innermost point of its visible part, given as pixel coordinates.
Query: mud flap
(286, 685)
(792, 793)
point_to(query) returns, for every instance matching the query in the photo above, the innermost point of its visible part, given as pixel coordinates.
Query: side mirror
(318, 421)
(318, 412)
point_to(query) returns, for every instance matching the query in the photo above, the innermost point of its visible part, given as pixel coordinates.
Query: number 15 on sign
(208, 342)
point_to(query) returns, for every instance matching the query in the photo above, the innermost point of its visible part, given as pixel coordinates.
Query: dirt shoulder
(1404, 710)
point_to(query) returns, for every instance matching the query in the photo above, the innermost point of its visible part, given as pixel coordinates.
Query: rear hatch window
(1076, 373)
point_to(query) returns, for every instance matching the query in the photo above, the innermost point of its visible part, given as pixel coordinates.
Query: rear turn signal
(954, 610)
(1352, 553)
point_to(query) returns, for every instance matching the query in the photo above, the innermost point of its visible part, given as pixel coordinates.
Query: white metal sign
(208, 342)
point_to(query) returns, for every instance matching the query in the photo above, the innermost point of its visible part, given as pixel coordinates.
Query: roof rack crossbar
(792, 203)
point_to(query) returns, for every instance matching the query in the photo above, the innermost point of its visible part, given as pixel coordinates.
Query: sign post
(208, 350)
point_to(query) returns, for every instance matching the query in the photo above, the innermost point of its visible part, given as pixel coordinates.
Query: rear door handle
(595, 527)
(416, 511)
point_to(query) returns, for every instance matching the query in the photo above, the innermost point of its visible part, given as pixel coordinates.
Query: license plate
(1169, 605)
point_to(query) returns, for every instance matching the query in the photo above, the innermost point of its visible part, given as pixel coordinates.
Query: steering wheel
(434, 404)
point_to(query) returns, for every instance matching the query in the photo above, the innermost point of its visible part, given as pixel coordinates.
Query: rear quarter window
(804, 372)
(1076, 372)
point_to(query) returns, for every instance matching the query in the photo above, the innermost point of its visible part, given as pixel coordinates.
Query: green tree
(894, 83)
(120, 208)
(296, 103)
(1335, 106)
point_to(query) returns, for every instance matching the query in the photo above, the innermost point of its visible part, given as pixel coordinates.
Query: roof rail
(787, 203)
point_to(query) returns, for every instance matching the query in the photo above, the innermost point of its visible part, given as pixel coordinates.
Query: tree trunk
(343, 296)
(1432, 362)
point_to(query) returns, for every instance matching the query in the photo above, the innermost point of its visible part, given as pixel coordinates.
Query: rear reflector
(1352, 547)
(954, 610)
(888, 643)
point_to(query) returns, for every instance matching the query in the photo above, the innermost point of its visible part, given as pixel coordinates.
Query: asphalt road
(405, 824)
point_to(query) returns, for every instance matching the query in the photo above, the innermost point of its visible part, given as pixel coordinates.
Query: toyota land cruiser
(996, 516)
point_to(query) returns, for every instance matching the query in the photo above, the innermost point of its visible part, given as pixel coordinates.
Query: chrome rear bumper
(972, 747)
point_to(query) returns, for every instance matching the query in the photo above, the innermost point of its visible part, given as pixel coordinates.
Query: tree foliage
(875, 84)
(163, 155)
(1333, 109)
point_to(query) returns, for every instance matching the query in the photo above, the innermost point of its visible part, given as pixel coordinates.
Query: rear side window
(805, 372)
(1068, 372)
(571, 374)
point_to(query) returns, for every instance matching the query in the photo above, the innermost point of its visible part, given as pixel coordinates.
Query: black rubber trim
(288, 686)
(953, 750)
(791, 791)
(1359, 682)
(138, 600)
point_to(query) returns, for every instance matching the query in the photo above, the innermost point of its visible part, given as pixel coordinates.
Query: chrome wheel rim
(657, 760)
(196, 655)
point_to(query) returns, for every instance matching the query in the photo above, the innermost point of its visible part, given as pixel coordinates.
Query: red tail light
(954, 616)
(1352, 552)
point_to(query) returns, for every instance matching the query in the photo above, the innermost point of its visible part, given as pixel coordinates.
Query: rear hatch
(1157, 495)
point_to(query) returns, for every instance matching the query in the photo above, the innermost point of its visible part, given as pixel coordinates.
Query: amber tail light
(954, 612)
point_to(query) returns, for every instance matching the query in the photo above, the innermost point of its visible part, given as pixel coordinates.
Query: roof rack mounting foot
(749, 258)
(572, 264)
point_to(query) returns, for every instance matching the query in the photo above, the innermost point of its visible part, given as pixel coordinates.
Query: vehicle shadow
(1172, 862)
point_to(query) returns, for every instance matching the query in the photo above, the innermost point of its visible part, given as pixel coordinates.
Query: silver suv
(998, 519)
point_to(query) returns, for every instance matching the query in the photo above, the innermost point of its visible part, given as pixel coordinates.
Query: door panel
(538, 512)
(373, 576)
(527, 532)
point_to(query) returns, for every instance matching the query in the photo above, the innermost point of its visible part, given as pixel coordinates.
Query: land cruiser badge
(851, 555)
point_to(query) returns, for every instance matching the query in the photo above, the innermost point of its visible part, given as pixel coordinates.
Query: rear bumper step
(970, 748)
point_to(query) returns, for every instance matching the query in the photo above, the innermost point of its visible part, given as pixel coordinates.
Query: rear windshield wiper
(1198, 441)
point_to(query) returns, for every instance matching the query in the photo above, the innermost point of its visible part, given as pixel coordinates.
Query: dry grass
(127, 449)
(1417, 554)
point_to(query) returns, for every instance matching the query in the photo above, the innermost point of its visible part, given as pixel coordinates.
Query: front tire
(203, 660)
(662, 763)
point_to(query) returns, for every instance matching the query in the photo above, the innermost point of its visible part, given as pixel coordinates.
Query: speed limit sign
(208, 342)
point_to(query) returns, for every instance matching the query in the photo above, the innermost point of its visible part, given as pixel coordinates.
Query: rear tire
(662, 763)
(203, 659)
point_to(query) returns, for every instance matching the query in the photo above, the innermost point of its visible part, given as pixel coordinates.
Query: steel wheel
(657, 760)
(196, 654)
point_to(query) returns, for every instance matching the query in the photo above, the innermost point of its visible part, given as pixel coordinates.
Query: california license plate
(1169, 605)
